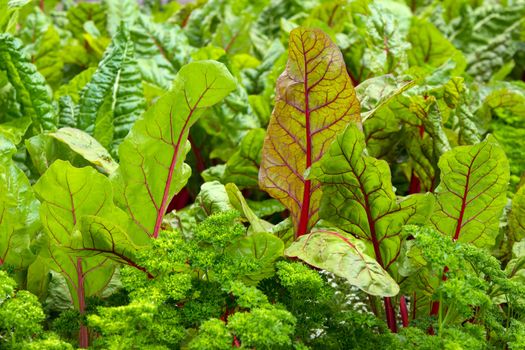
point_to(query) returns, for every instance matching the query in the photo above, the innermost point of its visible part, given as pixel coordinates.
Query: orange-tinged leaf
(315, 100)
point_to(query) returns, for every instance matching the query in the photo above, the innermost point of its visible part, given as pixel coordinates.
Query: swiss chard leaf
(31, 91)
(314, 100)
(67, 194)
(113, 99)
(358, 197)
(345, 256)
(19, 220)
(472, 193)
(152, 168)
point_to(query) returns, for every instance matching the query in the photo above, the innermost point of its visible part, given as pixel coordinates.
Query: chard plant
(205, 176)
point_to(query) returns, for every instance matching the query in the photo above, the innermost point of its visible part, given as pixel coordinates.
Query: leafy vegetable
(314, 100)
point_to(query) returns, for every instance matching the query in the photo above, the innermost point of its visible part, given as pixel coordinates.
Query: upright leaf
(119, 11)
(430, 47)
(67, 195)
(472, 193)
(18, 211)
(152, 166)
(161, 49)
(358, 197)
(314, 100)
(31, 91)
(113, 99)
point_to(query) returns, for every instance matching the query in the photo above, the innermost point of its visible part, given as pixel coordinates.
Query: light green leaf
(18, 211)
(67, 194)
(152, 166)
(239, 203)
(472, 193)
(119, 11)
(344, 256)
(107, 237)
(516, 217)
(211, 199)
(87, 147)
(161, 49)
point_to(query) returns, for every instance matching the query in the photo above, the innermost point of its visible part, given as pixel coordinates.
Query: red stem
(180, 200)
(199, 159)
(305, 208)
(415, 184)
(236, 343)
(390, 314)
(41, 5)
(176, 146)
(404, 311)
(83, 335)
(414, 300)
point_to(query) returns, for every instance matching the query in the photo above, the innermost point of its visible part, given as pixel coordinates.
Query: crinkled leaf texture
(18, 211)
(152, 168)
(344, 256)
(314, 101)
(358, 197)
(67, 194)
(472, 193)
(31, 91)
(113, 99)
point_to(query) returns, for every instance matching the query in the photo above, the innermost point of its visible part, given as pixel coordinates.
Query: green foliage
(262, 174)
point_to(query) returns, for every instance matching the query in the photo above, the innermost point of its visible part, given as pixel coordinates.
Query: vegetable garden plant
(262, 174)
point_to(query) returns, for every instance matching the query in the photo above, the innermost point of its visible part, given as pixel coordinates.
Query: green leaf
(358, 197)
(431, 48)
(314, 100)
(31, 91)
(344, 256)
(516, 217)
(67, 194)
(18, 211)
(44, 150)
(489, 37)
(242, 167)
(87, 147)
(119, 11)
(48, 58)
(472, 193)
(9, 14)
(114, 95)
(107, 237)
(83, 12)
(212, 199)
(161, 49)
(152, 156)
(239, 203)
